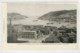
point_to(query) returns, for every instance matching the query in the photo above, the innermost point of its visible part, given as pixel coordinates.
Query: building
(28, 35)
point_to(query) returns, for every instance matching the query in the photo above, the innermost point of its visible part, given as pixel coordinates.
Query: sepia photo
(41, 23)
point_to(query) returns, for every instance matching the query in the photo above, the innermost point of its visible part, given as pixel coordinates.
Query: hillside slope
(15, 16)
(60, 16)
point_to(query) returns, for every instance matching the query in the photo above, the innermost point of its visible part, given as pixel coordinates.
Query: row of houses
(40, 29)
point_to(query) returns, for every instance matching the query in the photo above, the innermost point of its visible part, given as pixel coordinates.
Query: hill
(15, 16)
(60, 16)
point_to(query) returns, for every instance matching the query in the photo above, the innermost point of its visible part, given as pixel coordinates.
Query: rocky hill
(60, 16)
(15, 16)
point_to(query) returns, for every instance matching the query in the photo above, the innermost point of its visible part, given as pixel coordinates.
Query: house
(28, 34)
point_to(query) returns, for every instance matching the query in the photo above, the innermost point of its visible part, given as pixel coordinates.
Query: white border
(77, 51)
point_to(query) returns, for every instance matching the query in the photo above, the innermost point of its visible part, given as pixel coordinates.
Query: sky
(37, 9)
